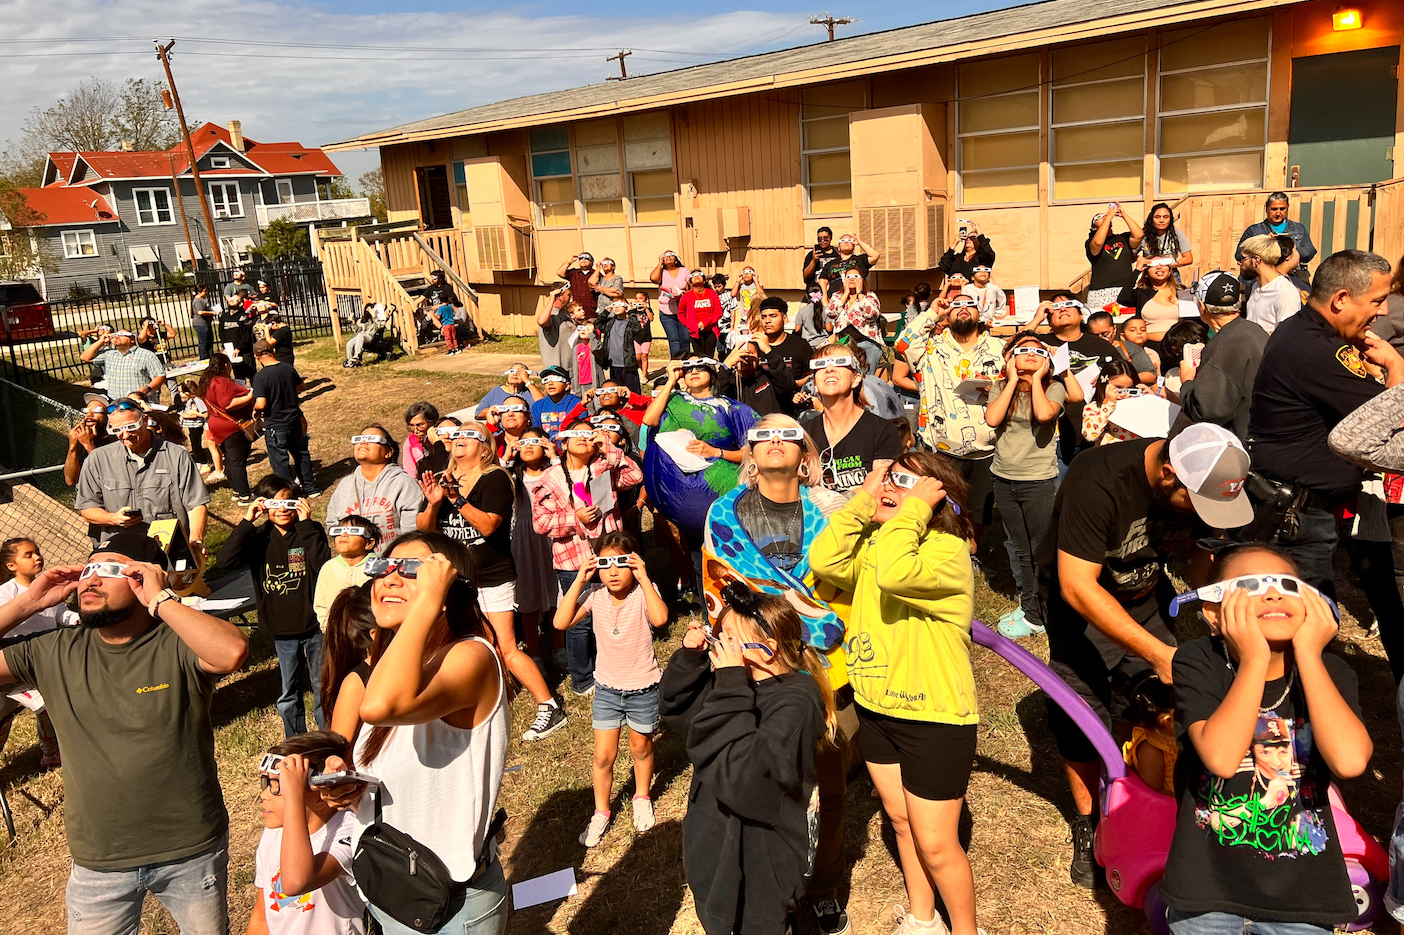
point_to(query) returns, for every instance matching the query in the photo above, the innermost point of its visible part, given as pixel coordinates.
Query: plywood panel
(612, 242)
(397, 164)
(555, 245)
(1014, 234)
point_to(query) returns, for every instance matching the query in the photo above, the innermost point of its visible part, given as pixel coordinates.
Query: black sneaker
(832, 919)
(549, 719)
(1084, 863)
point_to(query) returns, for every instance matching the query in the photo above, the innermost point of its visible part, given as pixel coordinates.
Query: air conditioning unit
(502, 247)
(893, 232)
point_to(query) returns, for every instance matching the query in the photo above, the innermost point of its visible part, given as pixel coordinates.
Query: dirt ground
(632, 884)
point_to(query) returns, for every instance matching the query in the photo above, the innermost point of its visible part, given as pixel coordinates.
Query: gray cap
(1212, 464)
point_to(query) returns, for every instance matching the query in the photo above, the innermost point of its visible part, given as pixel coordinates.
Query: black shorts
(980, 479)
(936, 759)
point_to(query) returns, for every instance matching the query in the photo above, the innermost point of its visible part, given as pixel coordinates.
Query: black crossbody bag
(406, 879)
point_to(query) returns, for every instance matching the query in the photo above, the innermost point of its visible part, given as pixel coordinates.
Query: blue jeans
(299, 669)
(872, 352)
(579, 642)
(481, 910)
(289, 446)
(204, 335)
(1223, 923)
(1314, 548)
(678, 338)
(193, 890)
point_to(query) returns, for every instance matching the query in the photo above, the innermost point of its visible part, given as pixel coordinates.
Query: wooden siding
(397, 163)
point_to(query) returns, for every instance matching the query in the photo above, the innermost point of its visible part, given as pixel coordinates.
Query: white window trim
(961, 171)
(155, 211)
(278, 189)
(78, 243)
(238, 200)
(219, 162)
(804, 162)
(136, 267)
(537, 204)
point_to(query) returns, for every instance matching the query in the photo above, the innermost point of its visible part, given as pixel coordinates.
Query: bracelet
(459, 503)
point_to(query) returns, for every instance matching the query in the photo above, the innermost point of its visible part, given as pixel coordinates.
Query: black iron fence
(298, 286)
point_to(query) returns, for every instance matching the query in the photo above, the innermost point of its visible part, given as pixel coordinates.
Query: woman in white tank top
(437, 712)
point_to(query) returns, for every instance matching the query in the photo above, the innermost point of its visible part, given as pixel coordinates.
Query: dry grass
(632, 884)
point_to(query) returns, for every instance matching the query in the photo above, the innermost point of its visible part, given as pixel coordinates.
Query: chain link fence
(35, 438)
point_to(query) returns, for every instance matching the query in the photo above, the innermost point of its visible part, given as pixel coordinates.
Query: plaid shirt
(553, 508)
(127, 373)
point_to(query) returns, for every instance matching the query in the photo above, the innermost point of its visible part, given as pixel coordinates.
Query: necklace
(1286, 690)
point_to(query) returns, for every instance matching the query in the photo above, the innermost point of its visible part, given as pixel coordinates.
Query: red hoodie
(700, 310)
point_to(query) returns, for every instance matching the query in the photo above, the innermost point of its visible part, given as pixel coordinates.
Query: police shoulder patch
(1350, 358)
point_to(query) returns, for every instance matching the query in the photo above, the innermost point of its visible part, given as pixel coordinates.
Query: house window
(153, 206)
(1098, 120)
(239, 249)
(146, 262)
(550, 168)
(997, 130)
(79, 243)
(828, 177)
(219, 162)
(648, 159)
(224, 200)
(285, 191)
(1213, 106)
(597, 163)
(460, 190)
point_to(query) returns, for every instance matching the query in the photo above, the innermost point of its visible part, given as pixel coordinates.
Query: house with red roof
(112, 221)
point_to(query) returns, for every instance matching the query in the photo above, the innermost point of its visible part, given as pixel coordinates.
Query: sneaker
(550, 717)
(51, 761)
(832, 919)
(313, 495)
(349, 364)
(908, 925)
(643, 813)
(1083, 869)
(594, 832)
(585, 693)
(1014, 626)
(215, 477)
(243, 501)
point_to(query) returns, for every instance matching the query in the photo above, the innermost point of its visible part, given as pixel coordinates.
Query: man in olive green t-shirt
(129, 694)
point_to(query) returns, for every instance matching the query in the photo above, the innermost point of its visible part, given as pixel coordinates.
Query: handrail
(442, 264)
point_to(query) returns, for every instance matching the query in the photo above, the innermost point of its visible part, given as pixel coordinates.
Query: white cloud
(319, 95)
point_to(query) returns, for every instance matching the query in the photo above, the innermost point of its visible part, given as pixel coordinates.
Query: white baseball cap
(1213, 465)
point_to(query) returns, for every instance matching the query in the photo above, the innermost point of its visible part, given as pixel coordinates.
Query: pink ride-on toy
(1133, 836)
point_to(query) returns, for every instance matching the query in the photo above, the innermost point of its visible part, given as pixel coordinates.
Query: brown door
(435, 209)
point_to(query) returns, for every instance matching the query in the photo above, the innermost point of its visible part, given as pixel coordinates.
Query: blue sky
(306, 70)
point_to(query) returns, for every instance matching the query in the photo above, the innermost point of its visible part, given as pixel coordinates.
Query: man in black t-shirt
(815, 259)
(1118, 515)
(852, 254)
(275, 388)
(1111, 256)
(786, 354)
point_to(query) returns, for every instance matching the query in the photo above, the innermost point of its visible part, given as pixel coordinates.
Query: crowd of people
(816, 482)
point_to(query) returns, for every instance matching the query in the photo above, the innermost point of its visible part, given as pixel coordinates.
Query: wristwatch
(161, 598)
(459, 503)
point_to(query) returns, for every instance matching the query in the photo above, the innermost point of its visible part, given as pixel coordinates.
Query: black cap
(135, 546)
(1219, 289)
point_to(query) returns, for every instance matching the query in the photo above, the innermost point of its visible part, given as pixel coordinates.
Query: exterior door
(1342, 119)
(435, 205)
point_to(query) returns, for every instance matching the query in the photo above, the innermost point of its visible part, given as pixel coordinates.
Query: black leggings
(706, 344)
(236, 461)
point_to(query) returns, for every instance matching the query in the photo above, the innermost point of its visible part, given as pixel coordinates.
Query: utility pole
(830, 22)
(184, 222)
(620, 57)
(163, 52)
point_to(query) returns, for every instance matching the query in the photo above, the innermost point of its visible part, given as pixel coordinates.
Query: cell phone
(132, 511)
(336, 779)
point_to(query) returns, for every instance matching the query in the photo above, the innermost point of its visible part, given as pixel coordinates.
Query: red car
(24, 313)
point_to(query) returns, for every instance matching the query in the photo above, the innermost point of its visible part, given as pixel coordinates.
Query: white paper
(1060, 359)
(1145, 416)
(552, 886)
(675, 444)
(602, 493)
(1189, 308)
(1192, 353)
(1025, 304)
(208, 605)
(30, 698)
(974, 390)
(1087, 379)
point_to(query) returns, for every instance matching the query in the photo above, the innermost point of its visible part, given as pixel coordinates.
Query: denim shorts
(613, 708)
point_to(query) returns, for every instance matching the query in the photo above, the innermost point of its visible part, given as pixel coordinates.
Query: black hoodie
(285, 569)
(752, 814)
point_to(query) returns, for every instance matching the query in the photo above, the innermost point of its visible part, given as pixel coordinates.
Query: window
(648, 158)
(146, 262)
(239, 249)
(153, 206)
(828, 178)
(460, 189)
(79, 243)
(597, 165)
(997, 129)
(550, 168)
(1098, 120)
(224, 200)
(285, 192)
(1213, 107)
(219, 162)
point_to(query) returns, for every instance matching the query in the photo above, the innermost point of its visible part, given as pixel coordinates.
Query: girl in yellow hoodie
(901, 546)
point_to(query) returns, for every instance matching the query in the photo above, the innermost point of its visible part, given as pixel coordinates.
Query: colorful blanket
(682, 497)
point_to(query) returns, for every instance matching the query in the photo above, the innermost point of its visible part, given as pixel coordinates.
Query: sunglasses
(1286, 585)
(126, 429)
(361, 531)
(123, 405)
(513, 372)
(795, 434)
(514, 407)
(469, 433)
(406, 567)
(607, 426)
(576, 433)
(612, 561)
(533, 440)
(981, 269)
(1162, 261)
(1058, 305)
(1132, 391)
(611, 391)
(715, 642)
(907, 481)
(825, 362)
(369, 440)
(269, 765)
(1021, 351)
(280, 504)
(103, 570)
(690, 366)
(554, 378)
(956, 305)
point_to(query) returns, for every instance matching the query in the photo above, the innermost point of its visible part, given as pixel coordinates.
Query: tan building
(1025, 120)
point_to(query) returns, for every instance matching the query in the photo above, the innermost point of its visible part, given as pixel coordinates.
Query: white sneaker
(910, 926)
(214, 477)
(643, 813)
(595, 831)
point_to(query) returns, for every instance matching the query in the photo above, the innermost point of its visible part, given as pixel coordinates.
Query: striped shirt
(130, 372)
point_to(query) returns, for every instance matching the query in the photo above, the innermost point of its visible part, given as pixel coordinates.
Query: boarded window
(997, 124)
(648, 158)
(828, 178)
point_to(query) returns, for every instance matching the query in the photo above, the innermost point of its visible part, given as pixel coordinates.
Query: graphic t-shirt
(1112, 265)
(777, 529)
(549, 416)
(335, 909)
(847, 463)
(492, 555)
(1262, 844)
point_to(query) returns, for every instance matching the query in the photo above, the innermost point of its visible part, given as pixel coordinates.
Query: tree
(340, 188)
(21, 256)
(284, 240)
(373, 187)
(141, 117)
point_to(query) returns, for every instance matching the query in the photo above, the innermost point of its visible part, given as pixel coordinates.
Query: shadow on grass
(642, 893)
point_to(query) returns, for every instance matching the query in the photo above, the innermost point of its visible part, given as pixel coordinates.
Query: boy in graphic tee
(1266, 720)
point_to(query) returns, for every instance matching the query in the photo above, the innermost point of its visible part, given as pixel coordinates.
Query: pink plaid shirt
(553, 508)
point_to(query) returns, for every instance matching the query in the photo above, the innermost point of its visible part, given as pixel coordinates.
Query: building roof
(60, 205)
(1028, 26)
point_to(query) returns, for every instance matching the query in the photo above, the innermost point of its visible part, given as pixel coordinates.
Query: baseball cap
(89, 398)
(1219, 289)
(558, 372)
(1212, 464)
(135, 546)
